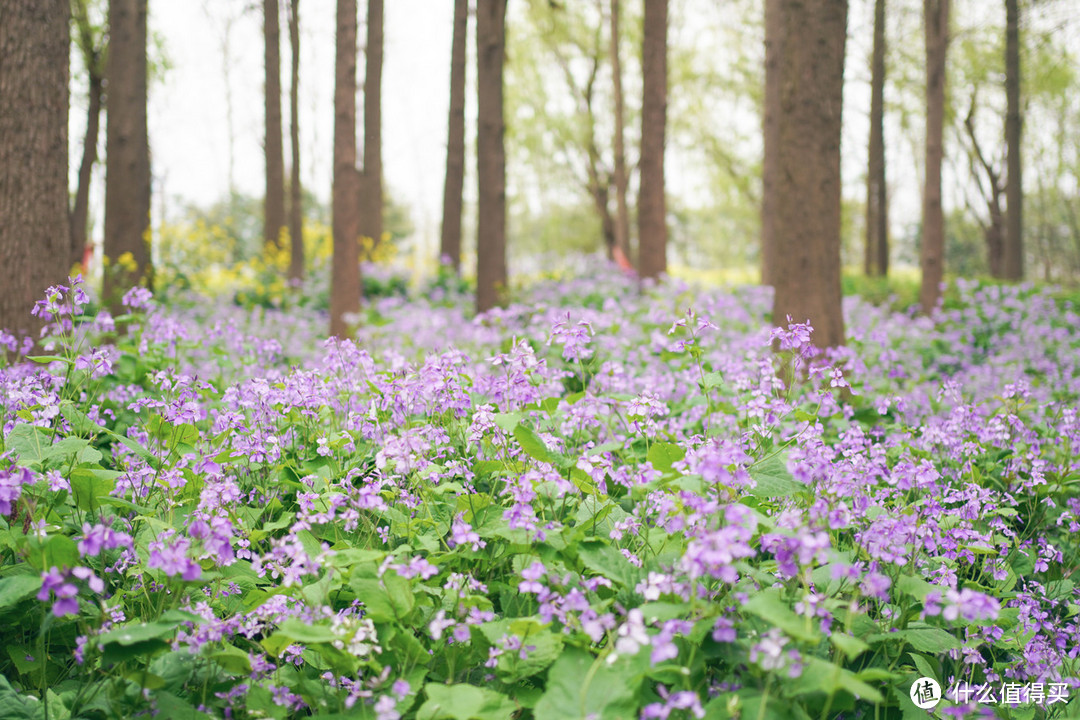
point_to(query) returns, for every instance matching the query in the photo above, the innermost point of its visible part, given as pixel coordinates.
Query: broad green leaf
(386, 599)
(924, 639)
(663, 454)
(852, 647)
(137, 633)
(464, 702)
(605, 560)
(773, 479)
(821, 676)
(14, 706)
(770, 607)
(534, 446)
(80, 422)
(507, 421)
(580, 686)
(17, 588)
(30, 443)
(89, 486)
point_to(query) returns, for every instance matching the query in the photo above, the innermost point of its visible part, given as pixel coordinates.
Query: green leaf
(852, 647)
(773, 479)
(386, 599)
(89, 485)
(605, 560)
(80, 422)
(712, 380)
(924, 639)
(61, 552)
(663, 454)
(307, 634)
(821, 676)
(464, 702)
(14, 706)
(29, 442)
(17, 588)
(534, 446)
(770, 607)
(580, 686)
(507, 421)
(137, 633)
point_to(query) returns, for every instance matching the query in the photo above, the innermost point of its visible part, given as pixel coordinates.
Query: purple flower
(170, 556)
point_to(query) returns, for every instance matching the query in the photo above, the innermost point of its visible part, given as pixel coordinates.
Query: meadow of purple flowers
(595, 503)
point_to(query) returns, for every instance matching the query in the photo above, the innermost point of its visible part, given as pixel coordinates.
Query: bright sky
(189, 112)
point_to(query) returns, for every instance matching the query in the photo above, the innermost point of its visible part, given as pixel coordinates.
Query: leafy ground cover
(596, 503)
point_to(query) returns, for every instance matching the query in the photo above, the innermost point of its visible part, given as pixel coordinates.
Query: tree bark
(1014, 188)
(491, 273)
(932, 254)
(345, 274)
(450, 239)
(127, 150)
(296, 209)
(877, 215)
(806, 201)
(652, 206)
(34, 235)
(274, 201)
(621, 178)
(92, 50)
(371, 200)
(774, 37)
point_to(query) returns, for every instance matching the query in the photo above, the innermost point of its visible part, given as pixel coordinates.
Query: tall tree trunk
(371, 200)
(1014, 187)
(621, 179)
(806, 263)
(34, 234)
(127, 151)
(774, 37)
(491, 155)
(80, 210)
(296, 209)
(274, 202)
(345, 274)
(652, 206)
(450, 239)
(877, 215)
(91, 48)
(932, 255)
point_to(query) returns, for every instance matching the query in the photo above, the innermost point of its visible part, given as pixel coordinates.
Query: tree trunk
(80, 211)
(274, 202)
(34, 236)
(345, 274)
(932, 255)
(1014, 187)
(877, 216)
(296, 209)
(491, 155)
(371, 203)
(652, 208)
(621, 179)
(769, 166)
(92, 50)
(806, 204)
(127, 151)
(450, 240)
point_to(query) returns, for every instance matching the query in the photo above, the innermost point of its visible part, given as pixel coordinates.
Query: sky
(215, 53)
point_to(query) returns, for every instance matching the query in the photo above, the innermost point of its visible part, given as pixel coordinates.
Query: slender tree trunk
(1014, 187)
(91, 48)
(774, 37)
(33, 156)
(806, 263)
(371, 201)
(127, 150)
(652, 206)
(491, 273)
(274, 202)
(296, 209)
(932, 255)
(450, 240)
(621, 179)
(877, 215)
(345, 274)
(80, 211)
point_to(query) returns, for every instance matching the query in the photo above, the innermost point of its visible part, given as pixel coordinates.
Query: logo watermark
(926, 693)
